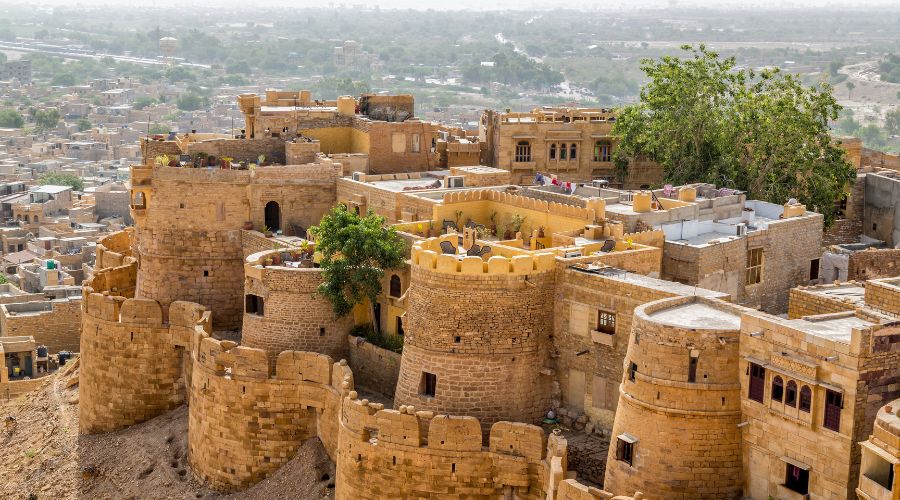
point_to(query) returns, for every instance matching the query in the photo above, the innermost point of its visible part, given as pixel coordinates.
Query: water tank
(51, 264)
(641, 202)
(168, 46)
(42, 351)
(63, 357)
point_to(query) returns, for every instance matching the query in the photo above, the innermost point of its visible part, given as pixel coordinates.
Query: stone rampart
(246, 421)
(416, 454)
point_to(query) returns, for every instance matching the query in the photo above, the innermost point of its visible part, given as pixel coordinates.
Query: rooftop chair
(475, 251)
(608, 245)
(447, 247)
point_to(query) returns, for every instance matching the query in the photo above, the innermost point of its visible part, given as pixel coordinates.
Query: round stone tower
(676, 426)
(476, 335)
(283, 312)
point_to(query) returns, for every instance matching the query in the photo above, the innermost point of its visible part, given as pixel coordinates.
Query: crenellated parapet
(132, 365)
(247, 419)
(440, 456)
(427, 254)
(595, 210)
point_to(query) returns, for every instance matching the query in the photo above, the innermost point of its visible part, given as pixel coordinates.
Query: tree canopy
(11, 118)
(62, 179)
(355, 252)
(46, 119)
(705, 120)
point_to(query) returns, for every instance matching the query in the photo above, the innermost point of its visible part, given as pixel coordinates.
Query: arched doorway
(273, 216)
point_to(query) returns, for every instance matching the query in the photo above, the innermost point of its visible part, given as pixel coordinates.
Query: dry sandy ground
(42, 455)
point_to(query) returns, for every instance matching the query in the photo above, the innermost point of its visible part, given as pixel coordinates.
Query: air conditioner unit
(600, 183)
(456, 181)
(742, 229)
(357, 176)
(572, 253)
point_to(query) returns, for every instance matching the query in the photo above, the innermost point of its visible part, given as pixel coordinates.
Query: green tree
(62, 179)
(892, 121)
(142, 102)
(850, 86)
(84, 124)
(11, 118)
(767, 134)
(63, 80)
(191, 102)
(355, 252)
(46, 119)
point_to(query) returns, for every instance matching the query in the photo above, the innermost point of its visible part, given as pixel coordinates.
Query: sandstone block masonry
(55, 324)
(293, 316)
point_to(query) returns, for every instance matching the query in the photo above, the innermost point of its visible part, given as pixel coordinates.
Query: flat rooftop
(837, 329)
(646, 281)
(698, 315)
(854, 293)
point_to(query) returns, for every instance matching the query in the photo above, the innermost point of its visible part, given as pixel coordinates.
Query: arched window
(573, 152)
(396, 286)
(523, 151)
(790, 395)
(805, 398)
(553, 151)
(602, 151)
(563, 151)
(777, 388)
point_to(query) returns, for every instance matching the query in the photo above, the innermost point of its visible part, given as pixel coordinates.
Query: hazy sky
(491, 5)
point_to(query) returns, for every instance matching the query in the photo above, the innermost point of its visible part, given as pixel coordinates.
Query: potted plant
(494, 222)
(225, 162)
(516, 223)
(202, 157)
(261, 159)
(267, 262)
(248, 225)
(267, 231)
(276, 258)
(173, 162)
(161, 160)
(541, 232)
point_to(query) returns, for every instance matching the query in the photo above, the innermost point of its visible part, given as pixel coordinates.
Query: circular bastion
(679, 374)
(283, 311)
(477, 335)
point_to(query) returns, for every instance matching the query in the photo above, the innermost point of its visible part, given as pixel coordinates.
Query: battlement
(427, 254)
(425, 429)
(595, 207)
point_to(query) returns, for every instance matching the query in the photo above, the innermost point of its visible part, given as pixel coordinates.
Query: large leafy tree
(355, 252)
(705, 120)
(62, 179)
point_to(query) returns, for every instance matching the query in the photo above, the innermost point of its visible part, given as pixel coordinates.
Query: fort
(544, 356)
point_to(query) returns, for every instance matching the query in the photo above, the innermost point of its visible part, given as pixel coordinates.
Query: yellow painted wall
(340, 139)
(480, 211)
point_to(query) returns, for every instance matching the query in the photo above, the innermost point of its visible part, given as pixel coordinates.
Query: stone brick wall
(883, 295)
(248, 150)
(58, 328)
(131, 367)
(439, 456)
(661, 396)
(804, 302)
(385, 159)
(596, 358)
(873, 158)
(484, 337)
(295, 316)
(377, 369)
(849, 228)
(245, 424)
(873, 263)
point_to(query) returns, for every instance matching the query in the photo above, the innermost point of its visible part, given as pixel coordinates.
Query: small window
(606, 322)
(573, 152)
(796, 479)
(814, 269)
(790, 395)
(416, 143)
(777, 389)
(254, 304)
(563, 151)
(805, 399)
(553, 151)
(834, 401)
(400, 331)
(757, 383)
(632, 370)
(692, 368)
(754, 266)
(523, 151)
(428, 384)
(602, 151)
(321, 331)
(625, 450)
(396, 288)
